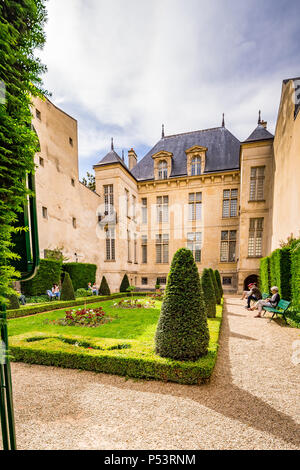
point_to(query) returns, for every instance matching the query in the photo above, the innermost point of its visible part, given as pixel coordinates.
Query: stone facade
(230, 206)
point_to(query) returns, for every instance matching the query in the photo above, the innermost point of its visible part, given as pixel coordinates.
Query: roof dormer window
(162, 164)
(162, 170)
(196, 157)
(196, 166)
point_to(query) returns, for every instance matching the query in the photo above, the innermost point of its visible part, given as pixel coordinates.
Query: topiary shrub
(219, 282)
(82, 293)
(264, 275)
(295, 279)
(216, 287)
(13, 302)
(104, 287)
(81, 273)
(49, 273)
(124, 284)
(208, 293)
(182, 331)
(280, 271)
(67, 290)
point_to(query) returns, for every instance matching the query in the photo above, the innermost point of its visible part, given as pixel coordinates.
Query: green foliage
(280, 271)
(21, 34)
(81, 273)
(83, 293)
(67, 291)
(219, 282)
(264, 275)
(216, 287)
(182, 331)
(89, 181)
(38, 299)
(208, 293)
(13, 301)
(49, 273)
(295, 277)
(124, 284)
(104, 287)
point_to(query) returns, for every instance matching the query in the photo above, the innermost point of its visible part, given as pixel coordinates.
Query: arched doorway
(249, 280)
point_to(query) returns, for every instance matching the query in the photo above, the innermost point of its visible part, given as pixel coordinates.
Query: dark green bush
(67, 291)
(49, 273)
(280, 271)
(219, 282)
(124, 284)
(40, 299)
(216, 287)
(182, 331)
(104, 287)
(295, 277)
(82, 293)
(81, 274)
(208, 293)
(264, 275)
(13, 300)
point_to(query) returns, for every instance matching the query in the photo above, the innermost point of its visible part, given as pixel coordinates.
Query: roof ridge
(194, 132)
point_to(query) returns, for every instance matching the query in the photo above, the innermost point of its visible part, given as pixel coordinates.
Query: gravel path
(252, 401)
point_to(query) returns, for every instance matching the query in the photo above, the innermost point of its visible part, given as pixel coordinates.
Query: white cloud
(127, 66)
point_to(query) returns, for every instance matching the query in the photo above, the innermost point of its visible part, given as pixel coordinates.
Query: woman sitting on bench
(272, 302)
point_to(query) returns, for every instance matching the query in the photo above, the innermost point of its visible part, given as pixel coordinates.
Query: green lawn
(124, 347)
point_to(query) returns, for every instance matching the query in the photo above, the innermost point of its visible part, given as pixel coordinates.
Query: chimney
(132, 159)
(264, 124)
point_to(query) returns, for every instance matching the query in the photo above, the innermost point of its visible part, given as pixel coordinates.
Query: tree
(219, 282)
(124, 284)
(89, 181)
(182, 331)
(216, 287)
(21, 34)
(67, 291)
(104, 287)
(209, 293)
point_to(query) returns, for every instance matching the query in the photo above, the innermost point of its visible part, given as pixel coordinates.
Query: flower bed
(91, 318)
(135, 303)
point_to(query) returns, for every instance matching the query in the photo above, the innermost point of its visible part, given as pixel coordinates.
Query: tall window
(257, 183)
(162, 208)
(230, 202)
(194, 243)
(144, 248)
(110, 245)
(109, 199)
(255, 237)
(144, 210)
(228, 245)
(133, 207)
(135, 248)
(195, 206)
(162, 248)
(127, 202)
(128, 247)
(162, 170)
(196, 166)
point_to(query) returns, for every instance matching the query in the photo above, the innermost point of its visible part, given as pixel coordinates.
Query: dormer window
(196, 166)
(162, 170)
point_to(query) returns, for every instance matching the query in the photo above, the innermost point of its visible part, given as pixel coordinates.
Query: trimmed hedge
(67, 291)
(280, 271)
(80, 273)
(124, 284)
(182, 331)
(104, 287)
(295, 277)
(59, 305)
(13, 302)
(264, 275)
(49, 273)
(208, 293)
(219, 282)
(216, 287)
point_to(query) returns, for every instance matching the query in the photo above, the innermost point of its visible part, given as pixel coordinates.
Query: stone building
(230, 202)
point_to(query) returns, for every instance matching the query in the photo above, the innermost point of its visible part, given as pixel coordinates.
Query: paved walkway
(252, 401)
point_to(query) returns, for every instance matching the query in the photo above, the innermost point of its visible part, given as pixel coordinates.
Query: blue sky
(124, 67)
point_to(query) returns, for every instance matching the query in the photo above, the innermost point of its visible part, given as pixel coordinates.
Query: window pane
(226, 208)
(224, 235)
(224, 251)
(232, 251)
(233, 208)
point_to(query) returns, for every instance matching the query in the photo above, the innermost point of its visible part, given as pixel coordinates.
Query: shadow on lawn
(226, 398)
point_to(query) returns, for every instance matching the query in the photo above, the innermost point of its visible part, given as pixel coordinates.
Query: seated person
(89, 288)
(21, 297)
(95, 291)
(54, 292)
(246, 293)
(254, 294)
(271, 302)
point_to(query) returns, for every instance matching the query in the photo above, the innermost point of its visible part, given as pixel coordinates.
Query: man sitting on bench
(254, 294)
(272, 302)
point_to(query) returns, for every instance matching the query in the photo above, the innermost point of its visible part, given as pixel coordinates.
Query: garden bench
(283, 305)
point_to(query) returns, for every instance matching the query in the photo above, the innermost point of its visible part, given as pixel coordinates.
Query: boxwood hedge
(280, 271)
(81, 274)
(295, 277)
(49, 273)
(264, 275)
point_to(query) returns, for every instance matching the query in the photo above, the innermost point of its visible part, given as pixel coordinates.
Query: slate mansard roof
(260, 133)
(111, 157)
(223, 152)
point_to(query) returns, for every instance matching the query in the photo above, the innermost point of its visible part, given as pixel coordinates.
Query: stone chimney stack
(132, 159)
(264, 124)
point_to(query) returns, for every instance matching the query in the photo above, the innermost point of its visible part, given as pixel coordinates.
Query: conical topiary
(67, 291)
(124, 284)
(216, 287)
(219, 282)
(13, 302)
(182, 331)
(208, 293)
(104, 287)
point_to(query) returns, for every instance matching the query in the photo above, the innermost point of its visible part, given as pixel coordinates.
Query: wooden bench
(283, 305)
